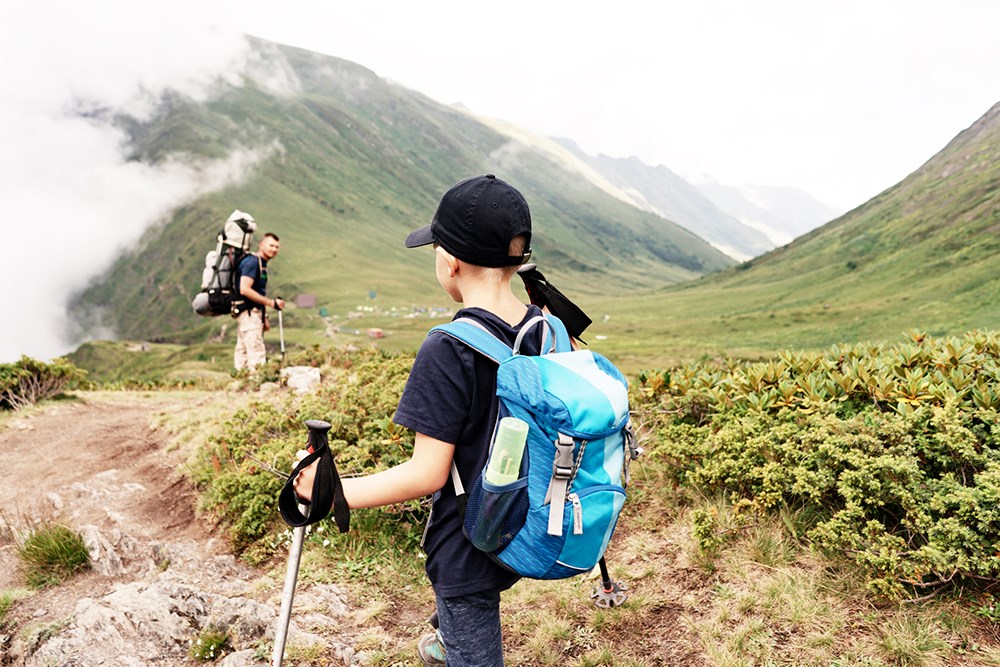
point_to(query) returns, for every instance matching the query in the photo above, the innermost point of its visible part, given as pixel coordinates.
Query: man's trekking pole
(317, 440)
(281, 334)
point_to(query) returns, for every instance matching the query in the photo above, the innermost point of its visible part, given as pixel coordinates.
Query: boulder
(301, 379)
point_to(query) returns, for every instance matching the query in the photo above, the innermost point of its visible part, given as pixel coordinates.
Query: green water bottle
(508, 448)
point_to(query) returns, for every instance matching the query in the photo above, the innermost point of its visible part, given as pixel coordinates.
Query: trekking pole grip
(318, 430)
(327, 490)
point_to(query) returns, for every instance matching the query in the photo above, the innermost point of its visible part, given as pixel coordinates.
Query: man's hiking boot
(431, 649)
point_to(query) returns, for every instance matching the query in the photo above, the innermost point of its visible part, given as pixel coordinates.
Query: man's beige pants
(249, 339)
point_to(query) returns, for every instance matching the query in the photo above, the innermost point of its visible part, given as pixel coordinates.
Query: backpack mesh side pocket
(495, 513)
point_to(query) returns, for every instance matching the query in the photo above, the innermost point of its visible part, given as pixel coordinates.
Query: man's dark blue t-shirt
(254, 267)
(451, 396)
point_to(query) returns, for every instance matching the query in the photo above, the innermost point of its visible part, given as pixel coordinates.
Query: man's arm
(247, 290)
(424, 473)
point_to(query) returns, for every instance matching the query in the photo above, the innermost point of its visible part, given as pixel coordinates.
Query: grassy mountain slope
(920, 255)
(355, 164)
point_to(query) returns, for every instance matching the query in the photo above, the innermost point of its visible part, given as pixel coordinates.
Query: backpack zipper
(577, 513)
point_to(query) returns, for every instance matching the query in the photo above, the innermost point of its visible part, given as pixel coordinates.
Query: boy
(481, 234)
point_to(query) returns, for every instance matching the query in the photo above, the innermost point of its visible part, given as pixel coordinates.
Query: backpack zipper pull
(577, 514)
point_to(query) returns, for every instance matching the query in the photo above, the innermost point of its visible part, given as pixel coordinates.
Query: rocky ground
(161, 575)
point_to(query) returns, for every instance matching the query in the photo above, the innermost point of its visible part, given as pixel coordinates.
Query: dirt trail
(100, 465)
(98, 462)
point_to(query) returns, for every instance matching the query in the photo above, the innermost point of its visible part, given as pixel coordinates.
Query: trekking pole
(608, 593)
(317, 434)
(281, 334)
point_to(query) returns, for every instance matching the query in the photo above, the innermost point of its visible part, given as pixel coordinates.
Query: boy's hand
(303, 483)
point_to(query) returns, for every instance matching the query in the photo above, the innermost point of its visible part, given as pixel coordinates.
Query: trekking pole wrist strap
(327, 494)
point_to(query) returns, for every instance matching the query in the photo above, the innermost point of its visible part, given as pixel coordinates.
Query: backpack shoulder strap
(476, 336)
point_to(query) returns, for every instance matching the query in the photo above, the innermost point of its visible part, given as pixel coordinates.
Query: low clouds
(71, 201)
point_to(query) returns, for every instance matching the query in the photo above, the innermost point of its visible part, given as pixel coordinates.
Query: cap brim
(420, 237)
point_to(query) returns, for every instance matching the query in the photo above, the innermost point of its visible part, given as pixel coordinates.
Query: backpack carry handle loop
(555, 335)
(527, 327)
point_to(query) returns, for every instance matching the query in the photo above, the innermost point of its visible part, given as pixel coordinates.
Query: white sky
(841, 99)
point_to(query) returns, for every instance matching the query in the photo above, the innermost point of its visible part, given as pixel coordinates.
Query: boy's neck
(497, 299)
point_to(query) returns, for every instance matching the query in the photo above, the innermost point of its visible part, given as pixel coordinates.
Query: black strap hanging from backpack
(544, 295)
(327, 491)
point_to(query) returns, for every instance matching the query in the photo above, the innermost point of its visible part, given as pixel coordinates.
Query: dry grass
(762, 599)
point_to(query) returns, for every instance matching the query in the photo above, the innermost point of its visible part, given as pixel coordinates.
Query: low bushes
(887, 455)
(892, 451)
(28, 381)
(236, 470)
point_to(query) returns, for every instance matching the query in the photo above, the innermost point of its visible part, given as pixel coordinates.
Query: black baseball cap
(475, 222)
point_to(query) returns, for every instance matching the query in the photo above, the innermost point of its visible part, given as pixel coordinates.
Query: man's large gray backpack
(220, 290)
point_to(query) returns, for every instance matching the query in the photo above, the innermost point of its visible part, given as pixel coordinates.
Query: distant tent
(305, 301)
(323, 312)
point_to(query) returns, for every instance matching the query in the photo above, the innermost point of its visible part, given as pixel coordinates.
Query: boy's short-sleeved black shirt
(450, 395)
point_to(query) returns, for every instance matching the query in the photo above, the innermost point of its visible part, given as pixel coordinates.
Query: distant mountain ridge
(742, 222)
(661, 191)
(352, 164)
(780, 213)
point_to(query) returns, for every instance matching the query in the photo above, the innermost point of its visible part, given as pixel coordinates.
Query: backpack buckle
(562, 471)
(562, 467)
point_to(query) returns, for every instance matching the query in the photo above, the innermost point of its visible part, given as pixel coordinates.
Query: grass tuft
(210, 644)
(910, 642)
(7, 600)
(52, 553)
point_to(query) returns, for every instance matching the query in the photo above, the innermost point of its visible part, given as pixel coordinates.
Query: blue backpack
(555, 521)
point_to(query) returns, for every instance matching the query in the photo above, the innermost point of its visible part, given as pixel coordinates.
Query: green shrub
(51, 553)
(893, 450)
(359, 403)
(28, 381)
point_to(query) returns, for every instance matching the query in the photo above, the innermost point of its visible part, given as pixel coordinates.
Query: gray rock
(103, 558)
(242, 659)
(301, 379)
(247, 620)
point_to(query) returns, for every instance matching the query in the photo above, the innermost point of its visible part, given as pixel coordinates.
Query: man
(251, 321)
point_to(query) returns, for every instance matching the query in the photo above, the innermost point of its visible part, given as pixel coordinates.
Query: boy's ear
(449, 259)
